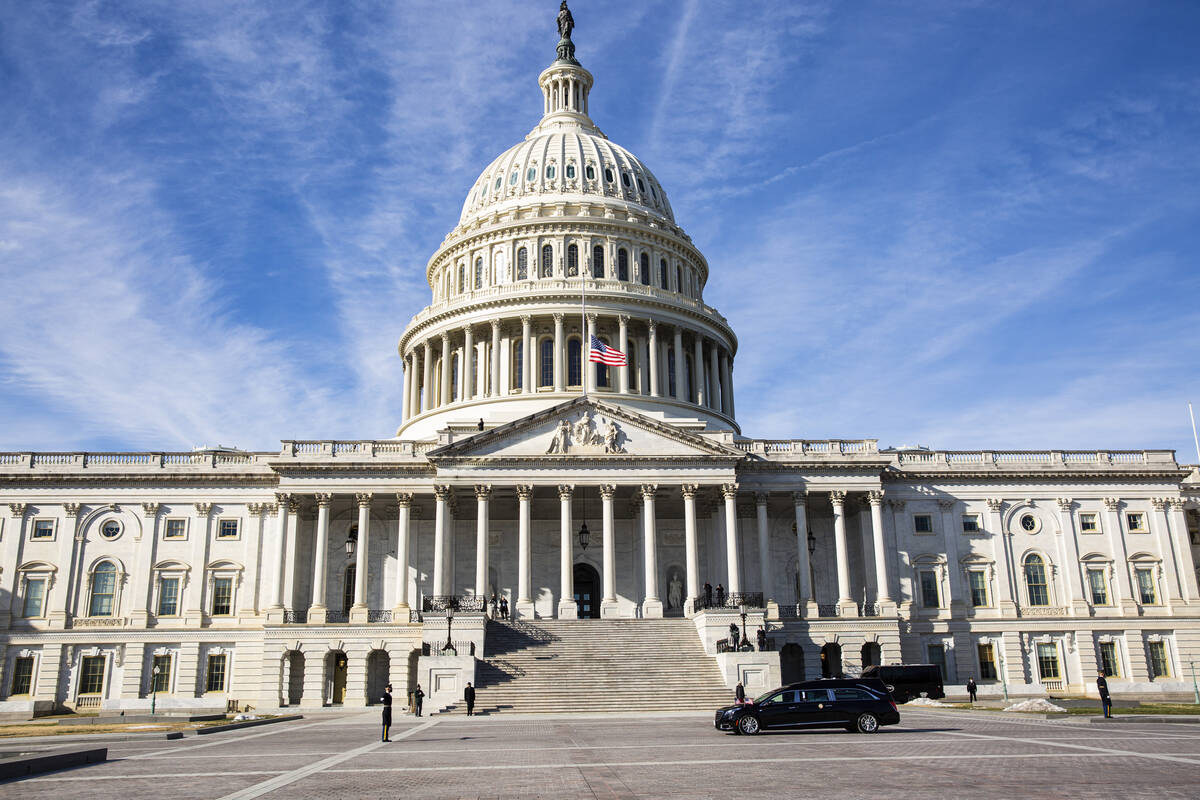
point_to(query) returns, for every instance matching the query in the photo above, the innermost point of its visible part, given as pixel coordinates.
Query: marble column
(444, 400)
(405, 400)
(714, 391)
(400, 611)
(608, 604)
(651, 605)
(1116, 540)
(726, 397)
(764, 544)
(560, 380)
(526, 347)
(468, 364)
(732, 556)
(441, 495)
(655, 389)
(1076, 589)
(701, 396)
(804, 590)
(525, 607)
(838, 499)
(567, 608)
(281, 526)
(316, 611)
(483, 493)
(623, 346)
(494, 358)
(691, 552)
(427, 377)
(358, 612)
(1000, 555)
(680, 365)
(883, 589)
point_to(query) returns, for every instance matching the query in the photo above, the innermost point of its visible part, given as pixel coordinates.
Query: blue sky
(963, 225)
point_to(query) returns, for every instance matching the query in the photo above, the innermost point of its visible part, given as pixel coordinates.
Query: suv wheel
(748, 725)
(867, 723)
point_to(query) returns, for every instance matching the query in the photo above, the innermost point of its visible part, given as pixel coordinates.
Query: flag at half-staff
(603, 354)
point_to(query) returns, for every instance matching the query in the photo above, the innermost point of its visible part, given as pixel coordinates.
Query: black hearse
(907, 681)
(861, 705)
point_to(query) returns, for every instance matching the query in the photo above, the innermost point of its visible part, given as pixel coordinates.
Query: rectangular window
(91, 677)
(1108, 660)
(923, 523)
(35, 593)
(175, 529)
(160, 674)
(228, 529)
(970, 523)
(1088, 523)
(1048, 661)
(979, 594)
(22, 680)
(1136, 521)
(222, 602)
(1145, 583)
(1098, 586)
(1159, 668)
(937, 655)
(168, 597)
(42, 529)
(929, 589)
(215, 682)
(987, 662)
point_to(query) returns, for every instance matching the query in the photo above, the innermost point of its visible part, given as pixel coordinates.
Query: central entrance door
(337, 678)
(587, 591)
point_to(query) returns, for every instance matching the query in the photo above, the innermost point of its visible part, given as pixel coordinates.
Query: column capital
(483, 491)
(255, 509)
(566, 491)
(203, 509)
(17, 509)
(875, 499)
(837, 497)
(442, 491)
(608, 491)
(946, 505)
(72, 509)
(150, 510)
(282, 498)
(730, 490)
(592, 317)
(1177, 502)
(558, 317)
(1065, 503)
(623, 319)
(324, 499)
(800, 498)
(495, 326)
(445, 337)
(364, 499)
(761, 498)
(995, 504)
(1112, 503)
(404, 499)
(652, 327)
(649, 490)
(689, 490)
(293, 505)
(526, 320)
(524, 491)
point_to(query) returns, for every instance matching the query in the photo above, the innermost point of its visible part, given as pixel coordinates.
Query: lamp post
(1003, 676)
(154, 689)
(745, 641)
(449, 622)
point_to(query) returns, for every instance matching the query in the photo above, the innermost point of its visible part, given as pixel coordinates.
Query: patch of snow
(144, 727)
(925, 701)
(1037, 704)
(244, 717)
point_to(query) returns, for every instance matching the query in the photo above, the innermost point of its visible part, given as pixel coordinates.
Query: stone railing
(440, 649)
(767, 447)
(869, 610)
(828, 610)
(98, 622)
(215, 459)
(453, 602)
(365, 448)
(965, 459)
(790, 611)
(377, 615)
(1042, 611)
(337, 617)
(295, 617)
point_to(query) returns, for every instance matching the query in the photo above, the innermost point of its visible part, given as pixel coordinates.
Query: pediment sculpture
(587, 436)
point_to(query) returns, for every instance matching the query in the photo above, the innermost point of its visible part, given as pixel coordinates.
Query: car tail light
(894, 708)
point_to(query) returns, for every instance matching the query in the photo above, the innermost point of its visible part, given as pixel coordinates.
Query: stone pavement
(643, 756)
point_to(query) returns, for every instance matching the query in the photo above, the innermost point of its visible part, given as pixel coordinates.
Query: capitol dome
(563, 215)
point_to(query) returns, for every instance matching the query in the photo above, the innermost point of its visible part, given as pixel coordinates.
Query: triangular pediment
(589, 428)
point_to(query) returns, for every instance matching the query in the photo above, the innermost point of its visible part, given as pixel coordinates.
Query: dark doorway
(831, 660)
(295, 677)
(587, 591)
(870, 655)
(791, 663)
(335, 664)
(379, 664)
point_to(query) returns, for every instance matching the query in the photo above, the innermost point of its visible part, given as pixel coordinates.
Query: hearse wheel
(748, 725)
(867, 723)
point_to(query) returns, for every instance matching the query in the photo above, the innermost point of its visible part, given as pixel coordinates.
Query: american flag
(603, 354)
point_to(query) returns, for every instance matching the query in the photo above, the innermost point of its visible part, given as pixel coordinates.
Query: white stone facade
(313, 575)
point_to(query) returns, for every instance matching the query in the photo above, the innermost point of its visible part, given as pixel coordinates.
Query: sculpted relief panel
(587, 436)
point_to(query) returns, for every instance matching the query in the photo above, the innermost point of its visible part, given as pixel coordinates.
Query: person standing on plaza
(971, 688)
(387, 711)
(707, 594)
(1105, 699)
(739, 694)
(469, 696)
(418, 697)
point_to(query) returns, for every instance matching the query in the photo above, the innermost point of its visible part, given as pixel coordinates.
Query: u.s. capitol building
(314, 574)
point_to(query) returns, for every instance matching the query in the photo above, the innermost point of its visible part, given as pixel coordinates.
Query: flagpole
(1194, 438)
(585, 347)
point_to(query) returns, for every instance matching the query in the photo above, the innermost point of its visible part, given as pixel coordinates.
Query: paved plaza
(681, 756)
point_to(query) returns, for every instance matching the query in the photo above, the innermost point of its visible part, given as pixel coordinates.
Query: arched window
(454, 377)
(546, 377)
(1035, 580)
(104, 589)
(547, 261)
(522, 265)
(518, 364)
(644, 262)
(462, 278)
(572, 261)
(671, 372)
(574, 363)
(602, 372)
(662, 273)
(622, 264)
(479, 273)
(598, 261)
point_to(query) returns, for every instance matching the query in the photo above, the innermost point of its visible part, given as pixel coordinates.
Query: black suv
(857, 705)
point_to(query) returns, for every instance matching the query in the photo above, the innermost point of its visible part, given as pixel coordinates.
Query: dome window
(547, 261)
(550, 172)
(622, 264)
(625, 179)
(644, 271)
(522, 264)
(499, 180)
(570, 170)
(512, 179)
(531, 175)
(641, 186)
(653, 193)
(608, 176)
(572, 261)
(589, 172)
(597, 260)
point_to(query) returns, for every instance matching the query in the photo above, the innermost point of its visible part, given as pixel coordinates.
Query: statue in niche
(675, 591)
(562, 436)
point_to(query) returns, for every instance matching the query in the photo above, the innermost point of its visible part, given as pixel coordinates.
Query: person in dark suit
(418, 697)
(739, 694)
(707, 594)
(1105, 699)
(971, 688)
(762, 639)
(720, 594)
(387, 711)
(469, 696)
